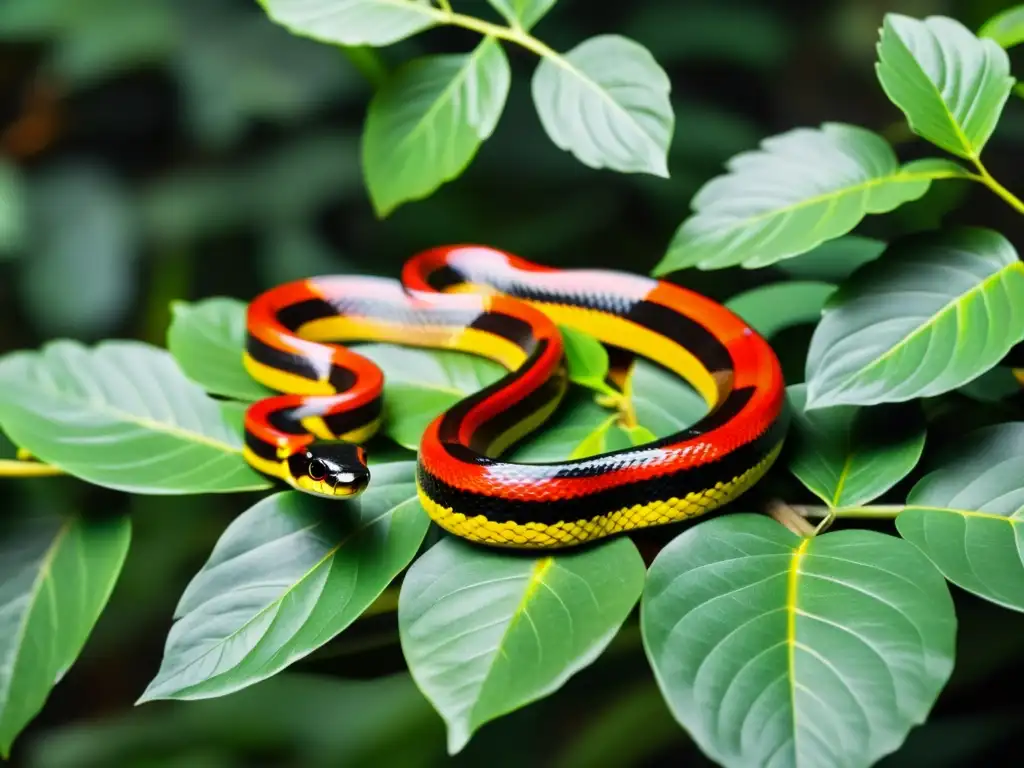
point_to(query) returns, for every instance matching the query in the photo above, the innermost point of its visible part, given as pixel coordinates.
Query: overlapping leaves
(798, 190)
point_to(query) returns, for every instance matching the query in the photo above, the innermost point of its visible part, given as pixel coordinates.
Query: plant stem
(788, 516)
(883, 511)
(987, 179)
(15, 468)
(486, 28)
(368, 62)
(445, 5)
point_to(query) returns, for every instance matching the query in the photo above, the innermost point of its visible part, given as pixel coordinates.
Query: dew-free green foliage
(121, 415)
(798, 190)
(849, 456)
(1006, 28)
(424, 126)
(56, 574)
(950, 84)
(772, 642)
(286, 577)
(934, 312)
(966, 514)
(776, 650)
(607, 102)
(485, 633)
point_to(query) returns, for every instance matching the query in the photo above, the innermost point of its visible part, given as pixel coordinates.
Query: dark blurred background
(153, 150)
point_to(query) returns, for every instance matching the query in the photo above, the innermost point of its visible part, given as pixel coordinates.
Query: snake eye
(317, 469)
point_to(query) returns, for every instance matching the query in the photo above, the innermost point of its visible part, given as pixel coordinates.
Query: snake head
(335, 469)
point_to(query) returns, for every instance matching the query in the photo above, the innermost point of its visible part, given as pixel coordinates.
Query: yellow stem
(987, 179)
(486, 28)
(445, 5)
(14, 468)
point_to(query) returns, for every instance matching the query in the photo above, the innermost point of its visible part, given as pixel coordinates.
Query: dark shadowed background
(180, 149)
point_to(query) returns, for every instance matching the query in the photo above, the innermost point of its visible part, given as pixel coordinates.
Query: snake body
(487, 302)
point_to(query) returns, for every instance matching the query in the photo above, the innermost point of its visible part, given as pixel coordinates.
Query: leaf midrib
(445, 96)
(899, 177)
(971, 513)
(44, 573)
(280, 598)
(792, 594)
(928, 325)
(965, 143)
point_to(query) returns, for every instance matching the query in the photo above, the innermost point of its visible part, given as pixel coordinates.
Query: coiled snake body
(487, 302)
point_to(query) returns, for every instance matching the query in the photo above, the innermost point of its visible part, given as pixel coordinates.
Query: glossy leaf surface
(353, 22)
(849, 456)
(796, 191)
(934, 312)
(486, 632)
(122, 415)
(950, 84)
(780, 651)
(967, 515)
(287, 576)
(607, 102)
(428, 121)
(56, 576)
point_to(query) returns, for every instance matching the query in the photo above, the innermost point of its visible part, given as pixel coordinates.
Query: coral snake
(486, 302)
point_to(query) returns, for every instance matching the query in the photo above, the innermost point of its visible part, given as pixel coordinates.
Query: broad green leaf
(579, 427)
(56, 575)
(354, 22)
(12, 209)
(992, 386)
(83, 234)
(663, 402)
(522, 13)
(774, 307)
(607, 102)
(936, 311)
(587, 360)
(967, 514)
(849, 456)
(1006, 27)
(780, 651)
(425, 125)
(420, 384)
(485, 632)
(950, 84)
(122, 415)
(207, 338)
(834, 260)
(798, 190)
(287, 576)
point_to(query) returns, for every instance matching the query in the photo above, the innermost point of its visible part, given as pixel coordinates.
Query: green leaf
(1006, 27)
(774, 307)
(798, 190)
(425, 125)
(849, 456)
(587, 360)
(12, 209)
(485, 633)
(207, 338)
(523, 13)
(56, 575)
(607, 102)
(420, 384)
(353, 22)
(664, 403)
(992, 386)
(776, 650)
(967, 514)
(287, 576)
(834, 260)
(936, 311)
(122, 415)
(950, 84)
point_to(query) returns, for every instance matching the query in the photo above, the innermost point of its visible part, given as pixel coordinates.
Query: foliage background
(172, 149)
